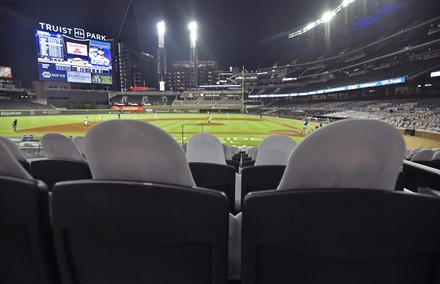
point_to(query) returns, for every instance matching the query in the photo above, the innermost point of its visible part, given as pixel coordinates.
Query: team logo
(79, 33)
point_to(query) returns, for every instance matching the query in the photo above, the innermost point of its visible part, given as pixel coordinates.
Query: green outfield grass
(239, 130)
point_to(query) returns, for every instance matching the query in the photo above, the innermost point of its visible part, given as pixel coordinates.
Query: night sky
(252, 33)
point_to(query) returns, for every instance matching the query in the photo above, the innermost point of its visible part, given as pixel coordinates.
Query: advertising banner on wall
(49, 72)
(78, 77)
(138, 109)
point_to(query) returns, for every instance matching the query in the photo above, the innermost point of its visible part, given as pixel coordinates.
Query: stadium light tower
(161, 56)
(193, 33)
(193, 55)
(161, 33)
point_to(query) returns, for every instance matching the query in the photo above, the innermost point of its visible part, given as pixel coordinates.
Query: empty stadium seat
(275, 150)
(423, 155)
(416, 179)
(412, 154)
(208, 165)
(26, 247)
(13, 148)
(340, 236)
(64, 161)
(326, 222)
(141, 220)
(58, 146)
(229, 157)
(273, 154)
(250, 160)
(79, 143)
(436, 156)
(351, 153)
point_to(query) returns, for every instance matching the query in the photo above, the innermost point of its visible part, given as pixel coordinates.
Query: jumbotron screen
(66, 59)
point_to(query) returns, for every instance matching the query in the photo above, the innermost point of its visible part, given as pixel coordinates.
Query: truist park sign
(73, 55)
(72, 32)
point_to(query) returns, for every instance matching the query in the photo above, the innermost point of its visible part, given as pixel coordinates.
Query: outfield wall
(122, 109)
(420, 133)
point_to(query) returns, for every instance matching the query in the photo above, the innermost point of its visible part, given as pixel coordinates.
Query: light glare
(192, 26)
(161, 28)
(346, 2)
(327, 16)
(193, 32)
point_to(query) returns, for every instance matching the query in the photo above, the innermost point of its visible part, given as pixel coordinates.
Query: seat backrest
(252, 153)
(130, 232)
(275, 150)
(229, 153)
(79, 143)
(436, 156)
(9, 166)
(25, 236)
(140, 214)
(259, 178)
(351, 153)
(216, 177)
(423, 155)
(412, 154)
(235, 150)
(13, 148)
(205, 148)
(340, 236)
(60, 147)
(51, 171)
(131, 150)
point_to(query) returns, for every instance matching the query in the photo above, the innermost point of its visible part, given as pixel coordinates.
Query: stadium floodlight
(327, 16)
(309, 27)
(193, 32)
(161, 28)
(161, 34)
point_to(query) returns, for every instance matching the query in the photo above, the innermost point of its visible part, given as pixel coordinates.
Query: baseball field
(237, 129)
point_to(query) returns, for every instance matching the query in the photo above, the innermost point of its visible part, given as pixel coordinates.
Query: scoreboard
(67, 59)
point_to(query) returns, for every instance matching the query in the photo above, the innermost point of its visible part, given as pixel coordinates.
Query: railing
(421, 178)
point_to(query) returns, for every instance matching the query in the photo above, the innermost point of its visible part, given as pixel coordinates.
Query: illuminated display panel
(62, 58)
(5, 72)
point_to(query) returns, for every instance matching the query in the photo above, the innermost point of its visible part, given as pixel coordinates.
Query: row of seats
(143, 219)
(417, 178)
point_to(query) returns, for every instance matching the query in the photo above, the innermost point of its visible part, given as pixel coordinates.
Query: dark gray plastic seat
(208, 166)
(64, 161)
(26, 247)
(141, 220)
(336, 218)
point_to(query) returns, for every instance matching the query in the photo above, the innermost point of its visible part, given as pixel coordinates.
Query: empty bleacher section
(145, 98)
(22, 105)
(211, 98)
(414, 112)
(411, 52)
(386, 77)
(77, 99)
